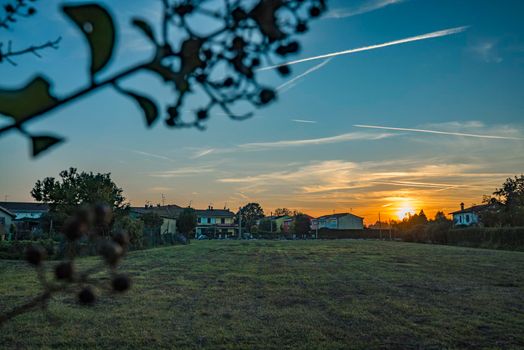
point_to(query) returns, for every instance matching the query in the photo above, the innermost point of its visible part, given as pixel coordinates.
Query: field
(287, 294)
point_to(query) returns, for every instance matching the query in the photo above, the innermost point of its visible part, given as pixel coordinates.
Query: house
(341, 221)
(28, 215)
(215, 222)
(471, 216)
(288, 223)
(6, 218)
(168, 213)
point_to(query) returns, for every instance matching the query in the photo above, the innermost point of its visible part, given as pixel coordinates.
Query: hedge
(16, 249)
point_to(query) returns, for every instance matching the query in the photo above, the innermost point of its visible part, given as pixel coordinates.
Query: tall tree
(301, 224)
(74, 189)
(511, 196)
(283, 212)
(250, 213)
(186, 221)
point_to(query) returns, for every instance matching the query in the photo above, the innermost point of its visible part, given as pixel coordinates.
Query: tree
(187, 221)
(221, 63)
(267, 225)
(441, 217)
(511, 196)
(134, 229)
(282, 212)
(250, 213)
(75, 189)
(301, 225)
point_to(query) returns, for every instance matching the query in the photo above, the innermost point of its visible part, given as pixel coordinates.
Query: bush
(16, 249)
(511, 238)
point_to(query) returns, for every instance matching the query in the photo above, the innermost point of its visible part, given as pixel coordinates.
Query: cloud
(152, 155)
(182, 172)
(496, 137)
(431, 35)
(300, 76)
(487, 51)
(304, 121)
(352, 136)
(368, 6)
(203, 153)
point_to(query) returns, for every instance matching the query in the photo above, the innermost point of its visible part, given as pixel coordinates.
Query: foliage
(283, 212)
(267, 225)
(250, 213)
(17, 249)
(301, 225)
(186, 221)
(511, 196)
(220, 62)
(134, 229)
(152, 220)
(75, 189)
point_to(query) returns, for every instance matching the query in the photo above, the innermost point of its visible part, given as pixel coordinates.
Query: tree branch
(7, 55)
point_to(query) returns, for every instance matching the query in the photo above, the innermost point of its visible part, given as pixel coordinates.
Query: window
(208, 220)
(467, 218)
(2, 221)
(223, 221)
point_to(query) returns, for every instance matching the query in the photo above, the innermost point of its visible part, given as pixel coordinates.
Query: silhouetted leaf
(149, 107)
(98, 27)
(27, 101)
(145, 28)
(42, 143)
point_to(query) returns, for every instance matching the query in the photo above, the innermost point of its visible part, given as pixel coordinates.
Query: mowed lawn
(287, 294)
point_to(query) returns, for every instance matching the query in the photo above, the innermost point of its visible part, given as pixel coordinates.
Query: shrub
(16, 249)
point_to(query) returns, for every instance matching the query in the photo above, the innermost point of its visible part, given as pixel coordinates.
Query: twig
(7, 55)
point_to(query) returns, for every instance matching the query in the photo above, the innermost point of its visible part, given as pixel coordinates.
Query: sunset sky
(421, 124)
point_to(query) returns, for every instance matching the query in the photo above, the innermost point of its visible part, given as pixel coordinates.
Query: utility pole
(163, 200)
(271, 222)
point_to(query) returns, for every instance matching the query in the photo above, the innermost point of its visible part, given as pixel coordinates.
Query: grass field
(288, 294)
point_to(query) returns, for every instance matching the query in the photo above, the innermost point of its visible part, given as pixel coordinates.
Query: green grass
(283, 294)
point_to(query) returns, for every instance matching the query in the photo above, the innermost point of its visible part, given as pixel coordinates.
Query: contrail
(440, 132)
(309, 71)
(437, 34)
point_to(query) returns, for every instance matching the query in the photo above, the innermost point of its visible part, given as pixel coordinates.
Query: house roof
(476, 209)
(25, 206)
(226, 213)
(337, 215)
(7, 212)
(170, 211)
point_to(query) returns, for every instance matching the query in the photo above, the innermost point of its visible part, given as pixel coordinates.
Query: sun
(404, 210)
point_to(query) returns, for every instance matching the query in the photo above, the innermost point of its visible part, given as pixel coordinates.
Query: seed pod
(111, 252)
(35, 254)
(86, 296)
(121, 283)
(64, 271)
(103, 215)
(122, 238)
(74, 228)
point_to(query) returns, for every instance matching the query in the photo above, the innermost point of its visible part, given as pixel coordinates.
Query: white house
(471, 216)
(6, 218)
(341, 221)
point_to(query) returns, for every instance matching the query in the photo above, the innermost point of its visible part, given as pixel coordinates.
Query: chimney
(461, 206)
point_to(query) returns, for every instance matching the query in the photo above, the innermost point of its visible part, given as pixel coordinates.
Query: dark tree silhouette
(221, 63)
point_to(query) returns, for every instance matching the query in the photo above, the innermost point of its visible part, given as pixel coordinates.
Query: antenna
(191, 201)
(163, 200)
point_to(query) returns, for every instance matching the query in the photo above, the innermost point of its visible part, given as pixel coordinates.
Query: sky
(412, 104)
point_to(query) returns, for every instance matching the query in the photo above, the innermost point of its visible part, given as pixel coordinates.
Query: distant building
(471, 216)
(341, 221)
(168, 213)
(28, 216)
(6, 218)
(215, 222)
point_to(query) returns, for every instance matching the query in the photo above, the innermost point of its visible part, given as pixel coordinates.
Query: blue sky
(304, 151)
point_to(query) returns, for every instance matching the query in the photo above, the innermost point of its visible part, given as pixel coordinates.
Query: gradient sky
(303, 152)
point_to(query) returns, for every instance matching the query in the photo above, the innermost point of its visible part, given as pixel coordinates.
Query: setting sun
(404, 210)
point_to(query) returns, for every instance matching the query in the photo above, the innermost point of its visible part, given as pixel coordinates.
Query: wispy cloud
(487, 51)
(352, 136)
(304, 121)
(203, 153)
(300, 76)
(431, 35)
(182, 172)
(496, 137)
(152, 155)
(368, 6)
